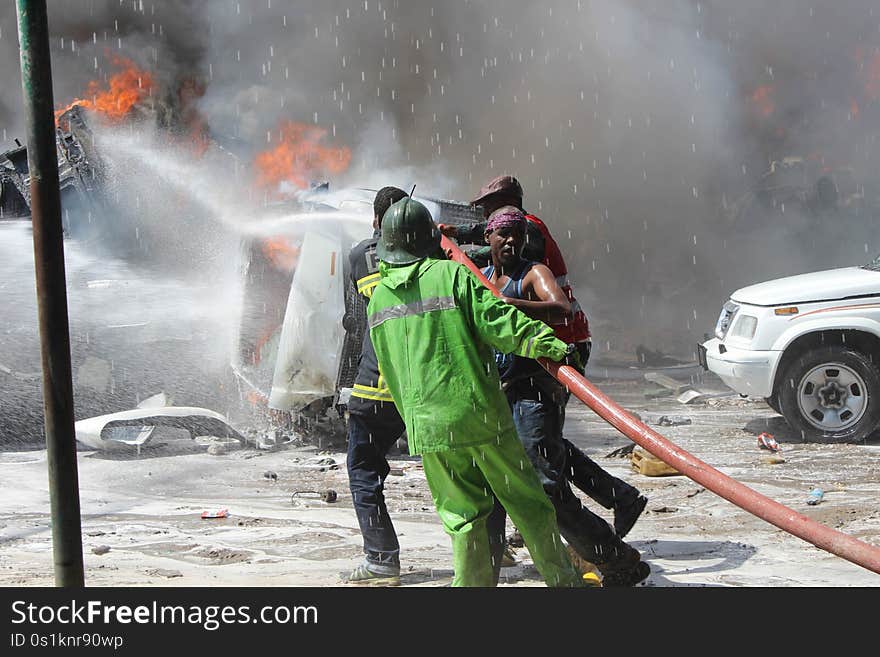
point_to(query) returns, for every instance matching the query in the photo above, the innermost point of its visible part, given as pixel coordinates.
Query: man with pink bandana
(538, 402)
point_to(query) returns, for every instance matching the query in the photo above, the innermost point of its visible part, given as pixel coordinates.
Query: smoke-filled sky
(636, 127)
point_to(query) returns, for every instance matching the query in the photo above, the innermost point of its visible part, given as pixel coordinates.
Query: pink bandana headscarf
(505, 218)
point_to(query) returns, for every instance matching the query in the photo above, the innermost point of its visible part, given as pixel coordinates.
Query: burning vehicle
(300, 359)
(798, 185)
(80, 173)
(267, 347)
(291, 360)
(290, 334)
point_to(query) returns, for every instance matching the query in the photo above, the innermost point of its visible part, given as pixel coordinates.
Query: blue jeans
(539, 418)
(370, 436)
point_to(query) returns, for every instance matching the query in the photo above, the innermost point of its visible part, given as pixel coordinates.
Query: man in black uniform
(373, 426)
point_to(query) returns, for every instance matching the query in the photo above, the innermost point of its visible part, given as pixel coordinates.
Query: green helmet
(408, 233)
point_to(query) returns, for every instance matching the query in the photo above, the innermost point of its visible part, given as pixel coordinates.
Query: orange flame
(868, 70)
(127, 88)
(299, 157)
(256, 398)
(872, 77)
(281, 253)
(762, 99)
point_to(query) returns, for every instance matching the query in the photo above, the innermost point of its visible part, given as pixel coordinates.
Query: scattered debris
(669, 420)
(328, 495)
(767, 441)
(733, 399)
(621, 452)
(330, 463)
(691, 396)
(664, 509)
(248, 522)
(396, 472)
(695, 493)
(222, 513)
(650, 358)
(159, 400)
(516, 540)
(685, 393)
(649, 465)
(100, 549)
(773, 460)
(816, 496)
(96, 532)
(667, 382)
(162, 572)
(135, 427)
(222, 554)
(217, 449)
(655, 394)
(269, 474)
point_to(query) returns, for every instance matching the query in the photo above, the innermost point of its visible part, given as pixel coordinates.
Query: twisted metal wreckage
(80, 173)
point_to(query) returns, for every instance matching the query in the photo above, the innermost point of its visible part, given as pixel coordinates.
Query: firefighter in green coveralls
(434, 326)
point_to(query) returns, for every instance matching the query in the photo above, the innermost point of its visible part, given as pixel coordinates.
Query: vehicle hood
(816, 286)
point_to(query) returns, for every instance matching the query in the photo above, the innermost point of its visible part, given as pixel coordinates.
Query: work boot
(629, 577)
(589, 573)
(620, 564)
(626, 515)
(516, 539)
(508, 558)
(364, 576)
(613, 556)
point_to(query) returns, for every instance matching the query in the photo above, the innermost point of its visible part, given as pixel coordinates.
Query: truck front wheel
(831, 395)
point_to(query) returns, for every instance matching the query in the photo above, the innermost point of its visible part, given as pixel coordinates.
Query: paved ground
(147, 509)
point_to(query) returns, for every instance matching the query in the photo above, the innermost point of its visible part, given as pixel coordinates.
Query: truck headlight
(728, 312)
(745, 327)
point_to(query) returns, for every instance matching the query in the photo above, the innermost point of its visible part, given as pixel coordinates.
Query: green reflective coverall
(434, 326)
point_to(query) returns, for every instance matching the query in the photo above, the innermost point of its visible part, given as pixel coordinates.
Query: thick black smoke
(640, 130)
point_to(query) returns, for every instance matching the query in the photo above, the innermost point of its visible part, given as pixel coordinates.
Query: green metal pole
(36, 82)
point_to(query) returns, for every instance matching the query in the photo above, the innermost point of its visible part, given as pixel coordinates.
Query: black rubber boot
(629, 577)
(625, 516)
(620, 564)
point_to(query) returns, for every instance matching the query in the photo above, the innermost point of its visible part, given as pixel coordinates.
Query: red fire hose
(851, 549)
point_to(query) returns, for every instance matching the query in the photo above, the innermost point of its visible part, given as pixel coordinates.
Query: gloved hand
(572, 357)
(557, 351)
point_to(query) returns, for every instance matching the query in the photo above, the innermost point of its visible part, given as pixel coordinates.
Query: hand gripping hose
(847, 547)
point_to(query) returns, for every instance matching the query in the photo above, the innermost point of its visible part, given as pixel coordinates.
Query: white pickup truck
(808, 344)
